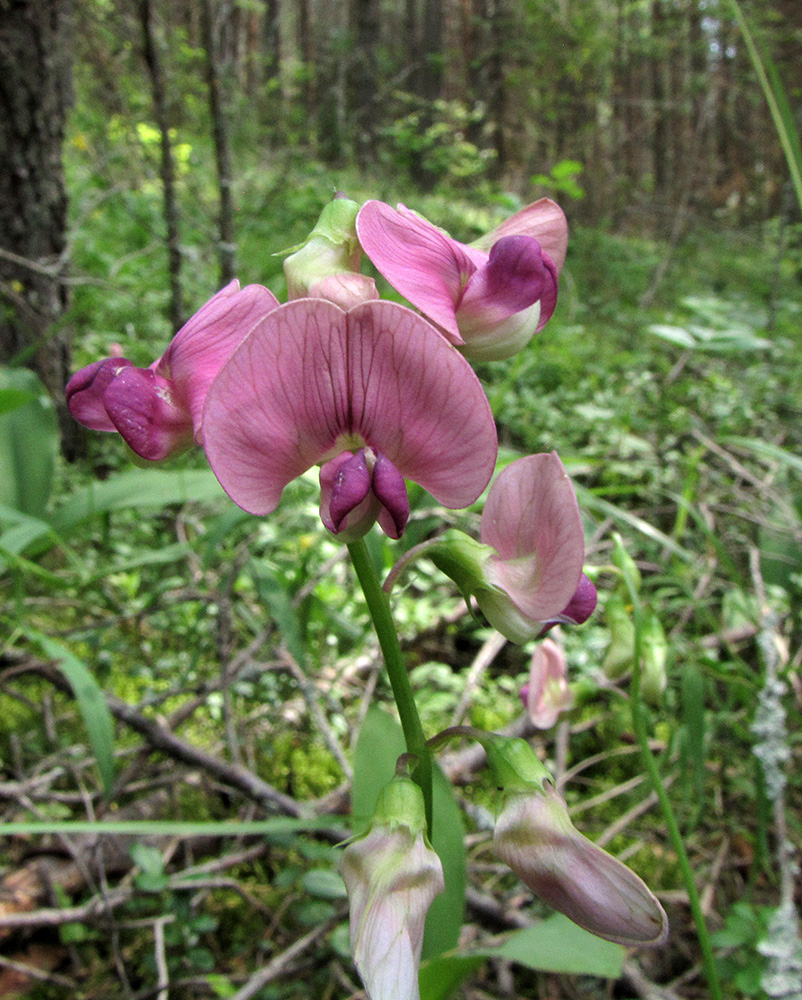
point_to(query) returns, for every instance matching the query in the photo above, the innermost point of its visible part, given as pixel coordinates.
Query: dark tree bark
(34, 97)
(364, 25)
(154, 65)
(226, 245)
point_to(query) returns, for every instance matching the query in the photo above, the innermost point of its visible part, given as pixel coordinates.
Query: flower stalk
(381, 616)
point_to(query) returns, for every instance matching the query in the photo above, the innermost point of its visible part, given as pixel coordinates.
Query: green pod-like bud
(626, 564)
(654, 653)
(621, 651)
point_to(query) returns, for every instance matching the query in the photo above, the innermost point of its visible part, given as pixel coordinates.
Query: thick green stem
(641, 732)
(379, 608)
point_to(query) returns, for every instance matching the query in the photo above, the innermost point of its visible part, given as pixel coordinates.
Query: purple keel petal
(391, 492)
(531, 519)
(548, 298)
(544, 220)
(142, 408)
(344, 484)
(424, 264)
(582, 604)
(512, 280)
(86, 389)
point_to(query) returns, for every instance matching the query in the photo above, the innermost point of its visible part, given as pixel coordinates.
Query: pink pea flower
(532, 521)
(371, 394)
(526, 572)
(158, 410)
(392, 874)
(489, 299)
(547, 693)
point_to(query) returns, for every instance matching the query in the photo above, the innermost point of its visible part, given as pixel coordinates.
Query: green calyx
(400, 804)
(463, 559)
(515, 765)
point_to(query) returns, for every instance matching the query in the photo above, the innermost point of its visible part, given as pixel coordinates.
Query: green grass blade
(774, 93)
(91, 704)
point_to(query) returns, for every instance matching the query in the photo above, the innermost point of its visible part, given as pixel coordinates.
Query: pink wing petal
(424, 264)
(543, 219)
(312, 380)
(207, 340)
(531, 519)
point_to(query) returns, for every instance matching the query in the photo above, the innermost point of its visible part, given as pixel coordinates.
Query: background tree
(35, 93)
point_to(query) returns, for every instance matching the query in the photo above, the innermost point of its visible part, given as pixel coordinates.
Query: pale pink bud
(547, 693)
(535, 837)
(392, 874)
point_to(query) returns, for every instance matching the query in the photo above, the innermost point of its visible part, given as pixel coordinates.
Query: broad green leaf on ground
(552, 945)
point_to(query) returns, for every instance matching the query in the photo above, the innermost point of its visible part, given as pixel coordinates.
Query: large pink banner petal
(532, 520)
(312, 380)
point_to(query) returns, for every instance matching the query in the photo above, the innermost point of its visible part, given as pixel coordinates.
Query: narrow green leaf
(774, 93)
(379, 745)
(278, 827)
(439, 977)
(447, 913)
(137, 488)
(28, 443)
(693, 720)
(767, 450)
(91, 703)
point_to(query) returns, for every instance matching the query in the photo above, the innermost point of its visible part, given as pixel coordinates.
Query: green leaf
(137, 488)
(557, 944)
(379, 745)
(91, 704)
(324, 883)
(439, 977)
(28, 442)
(447, 913)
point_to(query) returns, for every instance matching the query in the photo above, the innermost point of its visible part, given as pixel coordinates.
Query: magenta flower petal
(424, 264)
(312, 380)
(344, 484)
(85, 391)
(207, 340)
(548, 298)
(544, 220)
(391, 492)
(512, 280)
(582, 604)
(143, 408)
(531, 519)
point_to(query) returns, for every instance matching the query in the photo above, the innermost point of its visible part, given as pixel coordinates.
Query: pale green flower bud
(326, 265)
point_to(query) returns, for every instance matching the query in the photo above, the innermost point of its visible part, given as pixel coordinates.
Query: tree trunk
(226, 245)
(34, 97)
(153, 62)
(364, 18)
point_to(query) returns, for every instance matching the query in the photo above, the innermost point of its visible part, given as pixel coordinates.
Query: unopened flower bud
(621, 651)
(654, 653)
(392, 874)
(535, 837)
(326, 266)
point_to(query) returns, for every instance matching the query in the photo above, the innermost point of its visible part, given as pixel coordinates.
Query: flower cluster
(375, 393)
